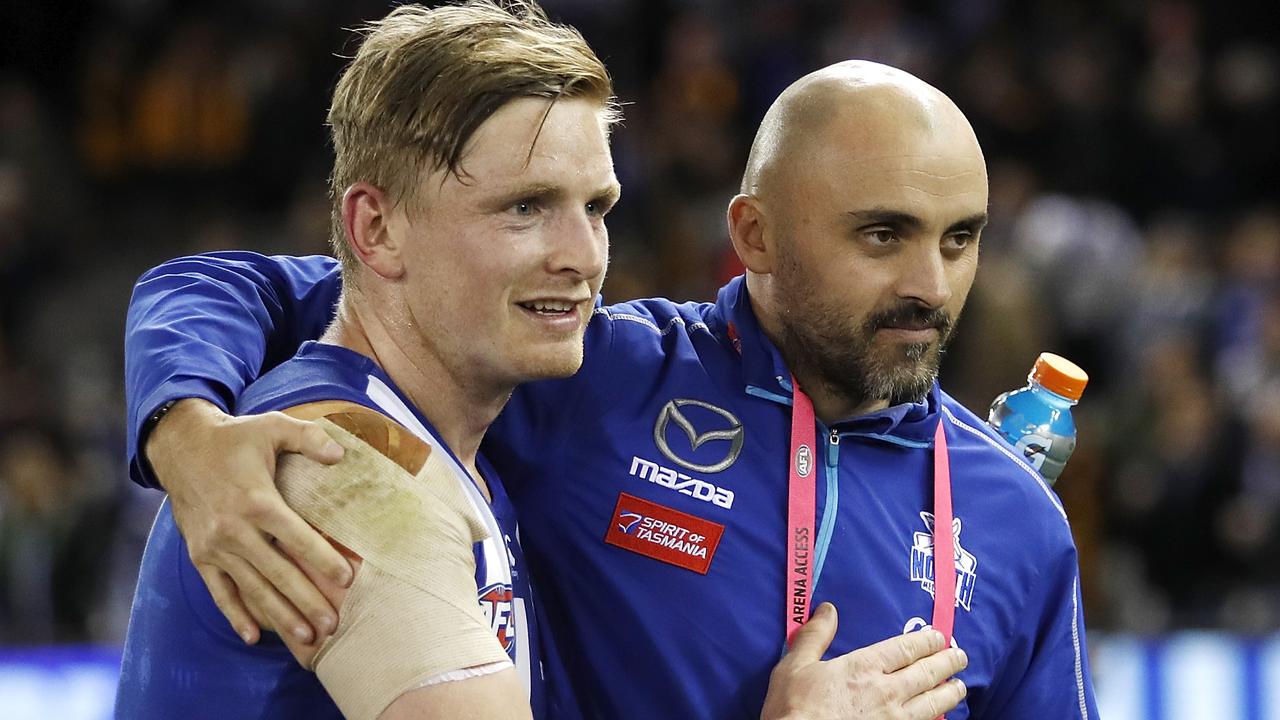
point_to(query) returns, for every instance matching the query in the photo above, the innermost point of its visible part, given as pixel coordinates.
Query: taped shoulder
(381, 432)
(411, 616)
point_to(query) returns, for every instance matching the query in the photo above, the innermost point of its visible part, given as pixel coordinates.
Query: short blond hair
(424, 79)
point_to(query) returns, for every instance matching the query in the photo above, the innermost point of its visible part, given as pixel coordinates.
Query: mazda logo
(673, 412)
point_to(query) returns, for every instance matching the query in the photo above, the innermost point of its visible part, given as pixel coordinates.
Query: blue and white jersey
(652, 488)
(182, 658)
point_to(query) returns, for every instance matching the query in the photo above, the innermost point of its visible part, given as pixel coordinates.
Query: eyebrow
(551, 192)
(532, 190)
(898, 218)
(611, 192)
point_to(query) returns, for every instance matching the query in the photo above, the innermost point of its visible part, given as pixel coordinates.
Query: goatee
(849, 362)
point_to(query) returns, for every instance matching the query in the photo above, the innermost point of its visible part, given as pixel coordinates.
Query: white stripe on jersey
(495, 549)
(1075, 642)
(1035, 475)
(523, 665)
(496, 558)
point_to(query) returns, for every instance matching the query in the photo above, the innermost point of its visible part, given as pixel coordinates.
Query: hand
(895, 679)
(305, 652)
(219, 472)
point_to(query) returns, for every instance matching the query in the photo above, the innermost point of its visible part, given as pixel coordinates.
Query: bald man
(716, 470)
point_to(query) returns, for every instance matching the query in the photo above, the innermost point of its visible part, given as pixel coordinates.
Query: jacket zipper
(829, 508)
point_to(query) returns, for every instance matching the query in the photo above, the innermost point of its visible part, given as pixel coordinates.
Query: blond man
(471, 180)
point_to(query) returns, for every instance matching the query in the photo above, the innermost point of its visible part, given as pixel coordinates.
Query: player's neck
(460, 407)
(830, 403)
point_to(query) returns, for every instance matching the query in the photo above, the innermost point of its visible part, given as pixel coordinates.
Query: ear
(366, 216)
(748, 230)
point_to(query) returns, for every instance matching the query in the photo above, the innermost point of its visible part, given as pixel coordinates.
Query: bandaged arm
(412, 640)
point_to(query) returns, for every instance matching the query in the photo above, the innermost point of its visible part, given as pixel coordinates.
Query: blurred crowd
(1135, 229)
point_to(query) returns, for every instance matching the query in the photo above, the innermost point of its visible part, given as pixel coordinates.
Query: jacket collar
(765, 375)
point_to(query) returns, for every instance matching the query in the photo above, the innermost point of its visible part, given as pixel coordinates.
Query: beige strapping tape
(373, 506)
(411, 613)
(393, 638)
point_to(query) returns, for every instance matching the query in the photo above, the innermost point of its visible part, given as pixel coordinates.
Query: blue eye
(600, 207)
(523, 208)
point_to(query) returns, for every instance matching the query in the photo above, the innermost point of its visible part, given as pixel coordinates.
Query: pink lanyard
(801, 525)
(801, 511)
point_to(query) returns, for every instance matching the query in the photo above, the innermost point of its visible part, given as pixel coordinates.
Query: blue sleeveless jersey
(181, 656)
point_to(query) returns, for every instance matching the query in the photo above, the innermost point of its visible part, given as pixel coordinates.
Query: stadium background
(1135, 228)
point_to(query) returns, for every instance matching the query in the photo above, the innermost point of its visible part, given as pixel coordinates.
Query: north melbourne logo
(922, 562)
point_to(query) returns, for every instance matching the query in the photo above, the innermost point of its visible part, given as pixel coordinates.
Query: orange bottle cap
(1060, 375)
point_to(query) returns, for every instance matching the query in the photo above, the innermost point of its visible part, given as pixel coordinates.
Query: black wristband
(154, 419)
(144, 433)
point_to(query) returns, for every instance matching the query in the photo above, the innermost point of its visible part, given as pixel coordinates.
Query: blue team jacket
(652, 494)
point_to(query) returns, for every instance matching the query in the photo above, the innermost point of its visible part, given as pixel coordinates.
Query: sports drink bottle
(1036, 419)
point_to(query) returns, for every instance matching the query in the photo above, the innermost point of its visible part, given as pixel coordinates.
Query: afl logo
(804, 461)
(496, 602)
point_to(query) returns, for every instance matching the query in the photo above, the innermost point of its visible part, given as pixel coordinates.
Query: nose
(923, 275)
(579, 246)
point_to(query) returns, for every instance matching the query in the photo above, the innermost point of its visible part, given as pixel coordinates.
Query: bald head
(857, 109)
(858, 223)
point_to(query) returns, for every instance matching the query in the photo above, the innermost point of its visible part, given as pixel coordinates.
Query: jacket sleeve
(206, 326)
(1047, 673)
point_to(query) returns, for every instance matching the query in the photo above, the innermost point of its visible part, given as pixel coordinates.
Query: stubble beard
(556, 361)
(844, 355)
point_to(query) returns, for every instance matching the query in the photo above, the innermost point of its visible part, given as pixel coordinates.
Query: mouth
(910, 333)
(912, 325)
(558, 315)
(549, 307)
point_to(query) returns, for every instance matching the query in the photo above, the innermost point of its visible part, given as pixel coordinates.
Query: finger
(304, 653)
(307, 438)
(289, 581)
(260, 616)
(258, 591)
(229, 603)
(900, 651)
(927, 672)
(936, 701)
(812, 640)
(334, 593)
(300, 540)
